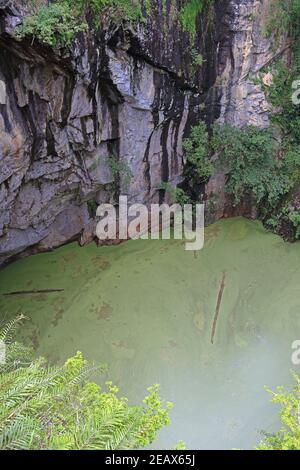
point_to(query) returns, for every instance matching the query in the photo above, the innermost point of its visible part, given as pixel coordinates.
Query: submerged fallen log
(33, 292)
(217, 312)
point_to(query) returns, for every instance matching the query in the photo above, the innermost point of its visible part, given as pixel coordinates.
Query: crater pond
(148, 310)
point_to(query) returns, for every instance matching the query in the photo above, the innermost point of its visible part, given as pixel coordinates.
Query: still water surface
(147, 309)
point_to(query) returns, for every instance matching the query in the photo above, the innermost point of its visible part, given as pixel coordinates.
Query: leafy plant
(120, 170)
(188, 15)
(177, 195)
(197, 151)
(284, 17)
(288, 437)
(53, 24)
(124, 10)
(294, 217)
(197, 57)
(248, 157)
(92, 206)
(57, 23)
(58, 408)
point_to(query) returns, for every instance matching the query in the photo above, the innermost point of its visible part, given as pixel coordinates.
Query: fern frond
(8, 330)
(18, 434)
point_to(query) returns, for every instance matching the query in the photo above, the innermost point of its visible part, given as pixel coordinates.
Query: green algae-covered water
(147, 309)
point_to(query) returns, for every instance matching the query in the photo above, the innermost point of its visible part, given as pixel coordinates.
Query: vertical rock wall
(242, 100)
(128, 92)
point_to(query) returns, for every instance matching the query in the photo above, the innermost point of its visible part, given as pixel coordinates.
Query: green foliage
(256, 162)
(253, 162)
(294, 217)
(279, 94)
(57, 24)
(120, 170)
(148, 6)
(92, 206)
(283, 17)
(54, 24)
(180, 446)
(117, 10)
(16, 353)
(188, 15)
(248, 157)
(197, 151)
(197, 58)
(286, 213)
(177, 195)
(288, 437)
(58, 408)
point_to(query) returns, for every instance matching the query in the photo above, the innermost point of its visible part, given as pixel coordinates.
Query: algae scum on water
(213, 328)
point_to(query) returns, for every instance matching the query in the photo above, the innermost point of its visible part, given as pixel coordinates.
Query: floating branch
(217, 312)
(32, 292)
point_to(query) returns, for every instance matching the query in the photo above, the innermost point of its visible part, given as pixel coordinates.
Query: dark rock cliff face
(128, 92)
